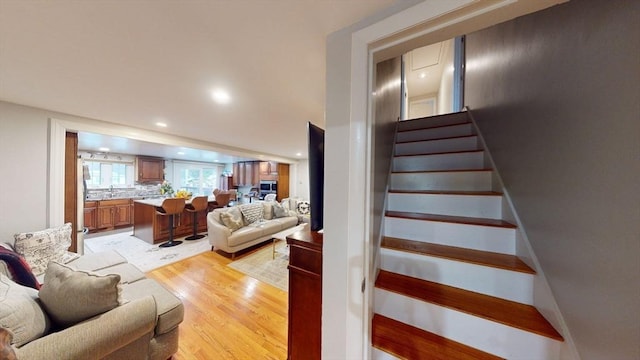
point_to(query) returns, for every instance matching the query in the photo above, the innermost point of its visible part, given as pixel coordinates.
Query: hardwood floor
(228, 315)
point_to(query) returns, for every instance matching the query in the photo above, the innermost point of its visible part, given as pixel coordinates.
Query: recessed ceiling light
(105, 149)
(161, 124)
(423, 75)
(221, 96)
(180, 152)
(298, 154)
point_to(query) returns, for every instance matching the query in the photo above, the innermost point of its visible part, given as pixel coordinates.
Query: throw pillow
(70, 296)
(20, 312)
(268, 209)
(251, 212)
(303, 207)
(40, 247)
(232, 219)
(279, 211)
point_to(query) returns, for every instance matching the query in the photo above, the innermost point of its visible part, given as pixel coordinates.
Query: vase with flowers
(166, 189)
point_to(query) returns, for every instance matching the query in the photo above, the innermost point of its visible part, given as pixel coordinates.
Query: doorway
(433, 78)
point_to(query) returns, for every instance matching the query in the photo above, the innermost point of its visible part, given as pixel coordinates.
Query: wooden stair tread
(441, 153)
(510, 313)
(439, 171)
(446, 192)
(466, 122)
(451, 219)
(436, 139)
(478, 257)
(408, 342)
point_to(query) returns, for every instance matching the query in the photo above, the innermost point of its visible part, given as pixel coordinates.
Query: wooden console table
(305, 295)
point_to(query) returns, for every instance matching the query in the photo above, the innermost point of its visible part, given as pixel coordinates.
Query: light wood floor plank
(228, 315)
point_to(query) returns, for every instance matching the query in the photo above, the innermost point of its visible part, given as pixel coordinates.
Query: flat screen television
(316, 175)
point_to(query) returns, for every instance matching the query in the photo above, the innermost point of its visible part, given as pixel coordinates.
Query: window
(105, 174)
(197, 178)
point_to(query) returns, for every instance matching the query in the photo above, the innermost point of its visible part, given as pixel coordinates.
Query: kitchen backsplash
(138, 191)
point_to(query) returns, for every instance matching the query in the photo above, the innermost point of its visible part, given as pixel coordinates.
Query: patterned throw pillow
(41, 247)
(232, 219)
(90, 294)
(304, 207)
(251, 212)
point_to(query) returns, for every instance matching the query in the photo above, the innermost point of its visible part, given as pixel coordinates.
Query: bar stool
(199, 203)
(171, 207)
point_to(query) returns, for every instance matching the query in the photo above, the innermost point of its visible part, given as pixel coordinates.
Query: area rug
(143, 255)
(262, 265)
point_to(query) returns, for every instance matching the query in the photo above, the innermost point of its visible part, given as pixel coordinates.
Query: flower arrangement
(166, 188)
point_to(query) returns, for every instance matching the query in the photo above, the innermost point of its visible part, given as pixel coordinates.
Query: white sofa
(256, 223)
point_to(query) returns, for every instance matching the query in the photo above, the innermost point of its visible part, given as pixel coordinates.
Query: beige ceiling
(140, 62)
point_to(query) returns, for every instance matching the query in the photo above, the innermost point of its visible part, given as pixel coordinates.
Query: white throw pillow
(40, 247)
(232, 219)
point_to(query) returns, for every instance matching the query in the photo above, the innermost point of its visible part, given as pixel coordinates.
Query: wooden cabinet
(112, 213)
(246, 173)
(149, 169)
(91, 215)
(305, 295)
(154, 228)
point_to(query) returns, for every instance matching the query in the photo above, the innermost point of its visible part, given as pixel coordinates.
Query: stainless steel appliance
(268, 187)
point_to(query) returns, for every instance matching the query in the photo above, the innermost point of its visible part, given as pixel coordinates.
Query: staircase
(450, 285)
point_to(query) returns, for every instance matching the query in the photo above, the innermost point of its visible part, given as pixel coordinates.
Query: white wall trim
(57, 142)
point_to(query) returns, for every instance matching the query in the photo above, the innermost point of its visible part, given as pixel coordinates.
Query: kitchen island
(154, 228)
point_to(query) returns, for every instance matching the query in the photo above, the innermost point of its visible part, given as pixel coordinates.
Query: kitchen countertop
(157, 202)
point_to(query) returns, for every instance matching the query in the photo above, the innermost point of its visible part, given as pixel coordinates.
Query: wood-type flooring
(228, 315)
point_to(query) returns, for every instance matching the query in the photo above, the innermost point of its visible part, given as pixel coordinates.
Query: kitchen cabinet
(91, 215)
(246, 173)
(268, 170)
(113, 213)
(154, 228)
(149, 169)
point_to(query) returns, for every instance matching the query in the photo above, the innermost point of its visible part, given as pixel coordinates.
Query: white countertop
(157, 202)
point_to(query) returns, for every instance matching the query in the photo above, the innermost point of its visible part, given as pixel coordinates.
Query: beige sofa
(142, 325)
(235, 228)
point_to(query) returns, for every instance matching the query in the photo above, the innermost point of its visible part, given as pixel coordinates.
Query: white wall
(23, 169)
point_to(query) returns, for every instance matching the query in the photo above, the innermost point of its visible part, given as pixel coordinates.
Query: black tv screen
(316, 175)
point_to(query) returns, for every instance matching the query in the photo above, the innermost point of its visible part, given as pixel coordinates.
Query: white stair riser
(486, 238)
(479, 333)
(452, 181)
(453, 161)
(484, 206)
(467, 143)
(377, 354)
(436, 133)
(449, 119)
(510, 285)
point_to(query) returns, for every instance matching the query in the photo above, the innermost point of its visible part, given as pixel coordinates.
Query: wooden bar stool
(199, 203)
(171, 207)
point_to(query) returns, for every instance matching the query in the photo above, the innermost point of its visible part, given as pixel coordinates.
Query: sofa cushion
(128, 273)
(170, 310)
(251, 212)
(70, 296)
(232, 219)
(97, 261)
(40, 247)
(20, 312)
(244, 235)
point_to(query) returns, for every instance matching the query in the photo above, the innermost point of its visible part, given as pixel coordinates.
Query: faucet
(111, 188)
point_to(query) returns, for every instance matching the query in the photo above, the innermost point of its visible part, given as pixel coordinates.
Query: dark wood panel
(305, 295)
